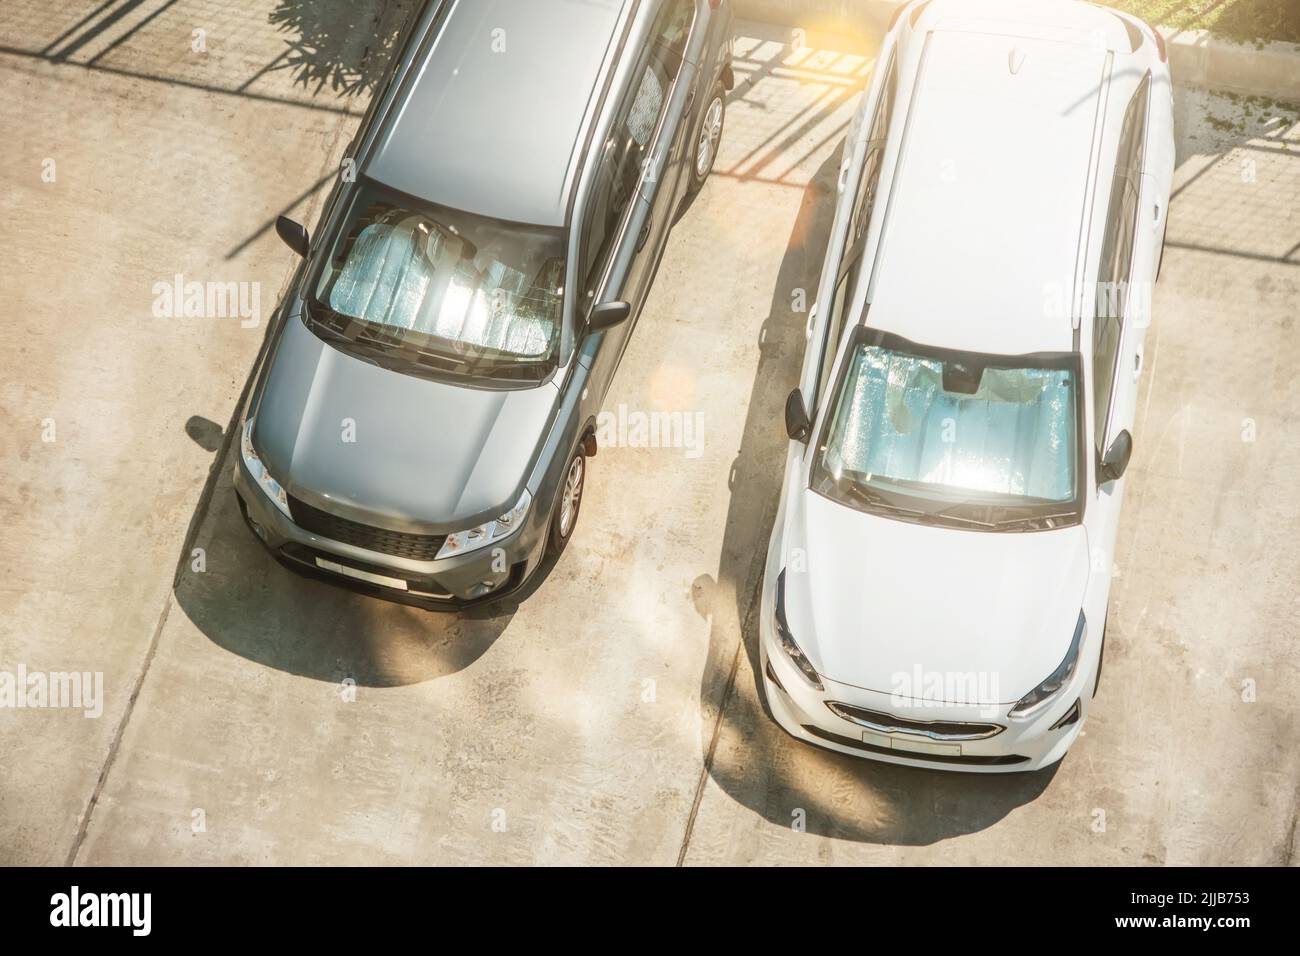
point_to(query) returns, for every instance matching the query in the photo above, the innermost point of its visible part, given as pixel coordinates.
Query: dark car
(421, 421)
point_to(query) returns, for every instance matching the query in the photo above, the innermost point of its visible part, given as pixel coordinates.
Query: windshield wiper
(946, 514)
(869, 497)
(441, 360)
(876, 500)
(361, 351)
(920, 515)
(1037, 519)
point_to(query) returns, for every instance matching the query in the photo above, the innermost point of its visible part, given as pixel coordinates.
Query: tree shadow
(754, 761)
(340, 46)
(1246, 21)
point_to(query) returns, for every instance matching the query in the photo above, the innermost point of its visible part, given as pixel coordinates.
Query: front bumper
(1020, 746)
(449, 584)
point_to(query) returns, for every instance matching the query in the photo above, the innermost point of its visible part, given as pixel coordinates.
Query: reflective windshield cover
(938, 436)
(428, 287)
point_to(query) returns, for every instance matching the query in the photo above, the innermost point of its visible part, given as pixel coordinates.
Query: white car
(936, 586)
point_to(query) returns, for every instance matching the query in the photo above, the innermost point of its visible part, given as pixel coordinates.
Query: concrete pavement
(251, 716)
(135, 150)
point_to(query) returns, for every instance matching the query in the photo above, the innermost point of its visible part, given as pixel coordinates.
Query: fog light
(771, 675)
(1069, 717)
(482, 588)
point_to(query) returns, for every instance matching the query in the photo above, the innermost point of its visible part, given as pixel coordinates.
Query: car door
(667, 78)
(1122, 304)
(827, 327)
(1118, 325)
(1149, 225)
(614, 252)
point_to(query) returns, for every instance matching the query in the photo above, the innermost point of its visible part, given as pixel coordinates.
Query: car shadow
(748, 756)
(242, 599)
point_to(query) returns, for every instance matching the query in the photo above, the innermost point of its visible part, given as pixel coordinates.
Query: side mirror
(797, 424)
(293, 233)
(607, 315)
(1115, 461)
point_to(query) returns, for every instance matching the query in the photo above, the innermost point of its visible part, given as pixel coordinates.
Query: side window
(835, 325)
(672, 29)
(1115, 266)
(668, 36)
(627, 147)
(858, 222)
(870, 178)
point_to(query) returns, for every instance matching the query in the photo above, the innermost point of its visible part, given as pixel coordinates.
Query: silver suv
(420, 423)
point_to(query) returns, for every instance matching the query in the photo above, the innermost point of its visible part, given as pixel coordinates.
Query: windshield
(955, 438)
(427, 287)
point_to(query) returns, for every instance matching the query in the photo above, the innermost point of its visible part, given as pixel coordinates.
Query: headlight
(259, 472)
(1040, 696)
(462, 542)
(788, 645)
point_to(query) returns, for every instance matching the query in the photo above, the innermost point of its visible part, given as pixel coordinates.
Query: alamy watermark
(1126, 300)
(75, 690)
(922, 688)
(624, 428)
(128, 910)
(178, 298)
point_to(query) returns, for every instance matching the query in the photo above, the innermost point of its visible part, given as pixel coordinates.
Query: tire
(568, 502)
(706, 136)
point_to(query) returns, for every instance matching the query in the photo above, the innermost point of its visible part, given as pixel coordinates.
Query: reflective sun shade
(405, 273)
(1013, 435)
(444, 281)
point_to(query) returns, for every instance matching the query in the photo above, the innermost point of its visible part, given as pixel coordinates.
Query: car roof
(1067, 21)
(991, 191)
(989, 212)
(493, 119)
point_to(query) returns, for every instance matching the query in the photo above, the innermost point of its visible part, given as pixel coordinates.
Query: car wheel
(708, 135)
(565, 518)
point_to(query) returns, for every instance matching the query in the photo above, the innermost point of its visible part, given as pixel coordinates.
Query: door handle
(643, 235)
(1137, 365)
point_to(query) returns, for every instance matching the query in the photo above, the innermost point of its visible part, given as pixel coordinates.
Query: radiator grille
(935, 729)
(400, 544)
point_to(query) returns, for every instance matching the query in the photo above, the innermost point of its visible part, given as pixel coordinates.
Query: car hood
(425, 455)
(932, 613)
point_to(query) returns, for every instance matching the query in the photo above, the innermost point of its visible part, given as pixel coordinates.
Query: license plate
(904, 744)
(361, 575)
(927, 747)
